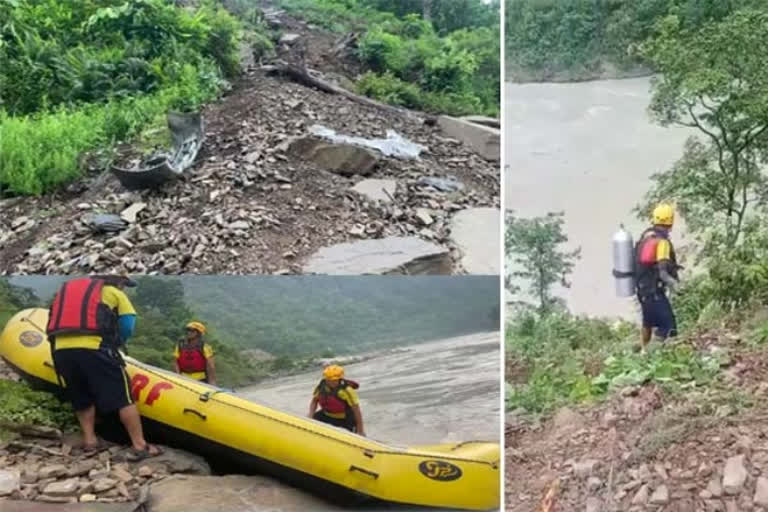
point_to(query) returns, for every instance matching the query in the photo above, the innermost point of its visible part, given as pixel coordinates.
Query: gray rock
(641, 496)
(231, 493)
(584, 468)
(490, 122)
(660, 496)
(441, 184)
(377, 190)
(593, 504)
(289, 38)
(476, 232)
(761, 492)
(129, 214)
(392, 255)
(734, 475)
(9, 481)
(67, 487)
(594, 483)
(103, 484)
(54, 470)
(105, 222)
(344, 159)
(482, 139)
(178, 461)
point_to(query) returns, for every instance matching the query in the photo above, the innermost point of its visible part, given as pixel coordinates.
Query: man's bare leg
(87, 420)
(647, 332)
(129, 415)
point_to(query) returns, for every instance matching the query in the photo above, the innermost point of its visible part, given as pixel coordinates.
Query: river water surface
(587, 149)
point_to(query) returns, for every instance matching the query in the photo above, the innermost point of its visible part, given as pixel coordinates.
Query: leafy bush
(19, 404)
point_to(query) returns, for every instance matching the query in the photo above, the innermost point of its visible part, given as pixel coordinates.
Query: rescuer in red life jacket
(338, 401)
(193, 357)
(90, 318)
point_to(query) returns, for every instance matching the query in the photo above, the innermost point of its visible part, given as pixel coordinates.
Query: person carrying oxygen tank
(656, 270)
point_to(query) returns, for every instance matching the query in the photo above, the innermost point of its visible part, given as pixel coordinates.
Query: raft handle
(201, 415)
(368, 454)
(49, 365)
(364, 471)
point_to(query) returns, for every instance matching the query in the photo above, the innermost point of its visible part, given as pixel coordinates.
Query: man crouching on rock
(338, 401)
(89, 319)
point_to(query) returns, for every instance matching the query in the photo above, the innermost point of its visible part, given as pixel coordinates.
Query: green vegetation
(445, 60)
(80, 75)
(20, 405)
(581, 39)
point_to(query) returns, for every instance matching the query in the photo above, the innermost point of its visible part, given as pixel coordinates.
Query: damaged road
(256, 203)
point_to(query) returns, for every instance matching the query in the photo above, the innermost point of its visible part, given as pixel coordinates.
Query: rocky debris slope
(258, 201)
(644, 451)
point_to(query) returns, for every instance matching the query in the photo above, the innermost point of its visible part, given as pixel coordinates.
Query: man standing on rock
(338, 401)
(193, 357)
(657, 270)
(88, 321)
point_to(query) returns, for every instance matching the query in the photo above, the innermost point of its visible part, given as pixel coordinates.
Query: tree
(534, 248)
(714, 78)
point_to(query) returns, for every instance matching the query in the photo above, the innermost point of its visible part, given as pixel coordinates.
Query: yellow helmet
(664, 215)
(196, 326)
(333, 372)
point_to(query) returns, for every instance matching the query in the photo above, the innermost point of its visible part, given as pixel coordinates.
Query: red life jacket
(648, 280)
(329, 400)
(191, 358)
(77, 309)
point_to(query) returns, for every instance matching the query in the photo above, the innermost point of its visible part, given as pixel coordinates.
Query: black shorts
(93, 377)
(657, 312)
(347, 423)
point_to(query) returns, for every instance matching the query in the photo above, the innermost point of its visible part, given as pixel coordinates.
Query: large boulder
(482, 139)
(391, 255)
(344, 159)
(231, 493)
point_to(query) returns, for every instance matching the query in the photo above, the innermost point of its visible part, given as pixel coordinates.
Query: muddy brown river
(587, 149)
(436, 392)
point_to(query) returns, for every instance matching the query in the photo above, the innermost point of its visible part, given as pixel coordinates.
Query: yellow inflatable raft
(256, 439)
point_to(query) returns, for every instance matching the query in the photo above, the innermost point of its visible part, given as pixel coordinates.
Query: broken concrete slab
(475, 231)
(482, 139)
(232, 493)
(391, 255)
(490, 122)
(377, 190)
(38, 506)
(344, 159)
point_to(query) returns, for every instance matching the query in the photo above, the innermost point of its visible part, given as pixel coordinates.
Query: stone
(584, 468)
(85, 498)
(660, 496)
(129, 214)
(377, 190)
(594, 483)
(122, 475)
(715, 488)
(391, 255)
(289, 38)
(145, 471)
(67, 487)
(179, 461)
(54, 470)
(10, 481)
(490, 122)
(641, 496)
(734, 475)
(483, 140)
(231, 492)
(240, 224)
(761, 492)
(593, 504)
(103, 484)
(476, 232)
(344, 159)
(424, 217)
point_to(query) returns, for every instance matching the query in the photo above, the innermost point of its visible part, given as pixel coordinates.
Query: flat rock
(289, 38)
(54, 470)
(475, 232)
(593, 504)
(129, 214)
(734, 475)
(482, 139)
(344, 159)
(37, 506)
(660, 496)
(490, 122)
(761, 492)
(377, 190)
(9, 481)
(391, 255)
(67, 487)
(178, 461)
(231, 493)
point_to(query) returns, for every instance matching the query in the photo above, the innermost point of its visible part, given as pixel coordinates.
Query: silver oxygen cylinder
(624, 263)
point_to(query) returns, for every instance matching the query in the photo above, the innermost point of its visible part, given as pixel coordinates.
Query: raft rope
(366, 451)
